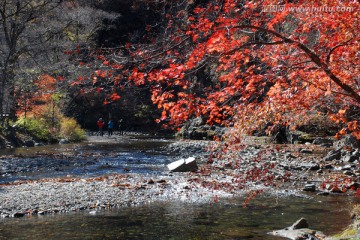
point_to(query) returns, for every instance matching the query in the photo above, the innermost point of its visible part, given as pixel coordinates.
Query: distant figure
(110, 128)
(120, 129)
(100, 124)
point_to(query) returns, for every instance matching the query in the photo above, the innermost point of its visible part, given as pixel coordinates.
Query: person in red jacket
(100, 124)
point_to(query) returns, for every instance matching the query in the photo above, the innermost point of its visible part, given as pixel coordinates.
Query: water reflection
(225, 220)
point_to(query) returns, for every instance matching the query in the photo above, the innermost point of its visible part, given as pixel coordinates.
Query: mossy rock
(301, 137)
(350, 233)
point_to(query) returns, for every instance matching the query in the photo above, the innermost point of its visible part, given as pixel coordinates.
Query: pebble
(309, 187)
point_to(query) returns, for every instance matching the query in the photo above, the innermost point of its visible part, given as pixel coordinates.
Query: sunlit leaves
(235, 62)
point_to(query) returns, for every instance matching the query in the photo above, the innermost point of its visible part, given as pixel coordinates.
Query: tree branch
(315, 58)
(334, 48)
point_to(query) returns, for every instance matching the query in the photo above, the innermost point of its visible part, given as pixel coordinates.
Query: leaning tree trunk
(7, 98)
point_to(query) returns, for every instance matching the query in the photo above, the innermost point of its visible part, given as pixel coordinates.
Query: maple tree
(32, 98)
(241, 64)
(270, 66)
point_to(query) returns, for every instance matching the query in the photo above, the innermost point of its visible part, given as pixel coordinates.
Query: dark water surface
(227, 219)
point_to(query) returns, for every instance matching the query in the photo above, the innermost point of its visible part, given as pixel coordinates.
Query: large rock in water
(183, 165)
(299, 230)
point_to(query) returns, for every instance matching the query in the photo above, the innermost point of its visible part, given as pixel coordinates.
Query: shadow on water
(178, 220)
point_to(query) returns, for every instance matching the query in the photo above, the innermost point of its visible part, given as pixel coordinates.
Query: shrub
(49, 127)
(71, 130)
(36, 127)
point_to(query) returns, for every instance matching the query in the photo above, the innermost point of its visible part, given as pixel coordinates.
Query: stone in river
(183, 165)
(301, 223)
(299, 230)
(309, 187)
(18, 214)
(333, 155)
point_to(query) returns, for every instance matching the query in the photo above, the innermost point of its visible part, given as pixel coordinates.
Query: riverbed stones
(325, 142)
(351, 141)
(305, 150)
(310, 166)
(131, 189)
(64, 141)
(333, 155)
(310, 187)
(350, 158)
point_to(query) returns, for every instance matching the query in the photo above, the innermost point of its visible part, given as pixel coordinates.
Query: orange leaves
(174, 71)
(195, 57)
(41, 93)
(117, 66)
(161, 98)
(342, 111)
(60, 78)
(100, 57)
(101, 73)
(114, 97)
(216, 42)
(353, 126)
(250, 87)
(198, 10)
(163, 115)
(137, 77)
(230, 73)
(356, 134)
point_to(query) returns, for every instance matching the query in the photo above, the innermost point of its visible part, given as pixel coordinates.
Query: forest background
(255, 67)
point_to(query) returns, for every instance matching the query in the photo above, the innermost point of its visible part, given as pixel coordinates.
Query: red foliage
(275, 66)
(32, 101)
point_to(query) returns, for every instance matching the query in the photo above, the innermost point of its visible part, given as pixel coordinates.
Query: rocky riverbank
(53, 195)
(73, 194)
(302, 170)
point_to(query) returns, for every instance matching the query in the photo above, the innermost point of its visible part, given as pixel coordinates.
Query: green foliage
(52, 125)
(71, 130)
(36, 127)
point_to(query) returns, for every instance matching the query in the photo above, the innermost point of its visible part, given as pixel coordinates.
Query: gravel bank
(74, 194)
(295, 168)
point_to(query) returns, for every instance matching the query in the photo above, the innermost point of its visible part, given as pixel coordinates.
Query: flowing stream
(227, 219)
(137, 154)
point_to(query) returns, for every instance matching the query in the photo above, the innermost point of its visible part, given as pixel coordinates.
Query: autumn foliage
(267, 66)
(240, 64)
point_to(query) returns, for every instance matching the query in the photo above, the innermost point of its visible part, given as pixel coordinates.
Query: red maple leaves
(242, 64)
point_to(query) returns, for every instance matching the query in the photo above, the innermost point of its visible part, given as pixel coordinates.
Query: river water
(135, 154)
(227, 219)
